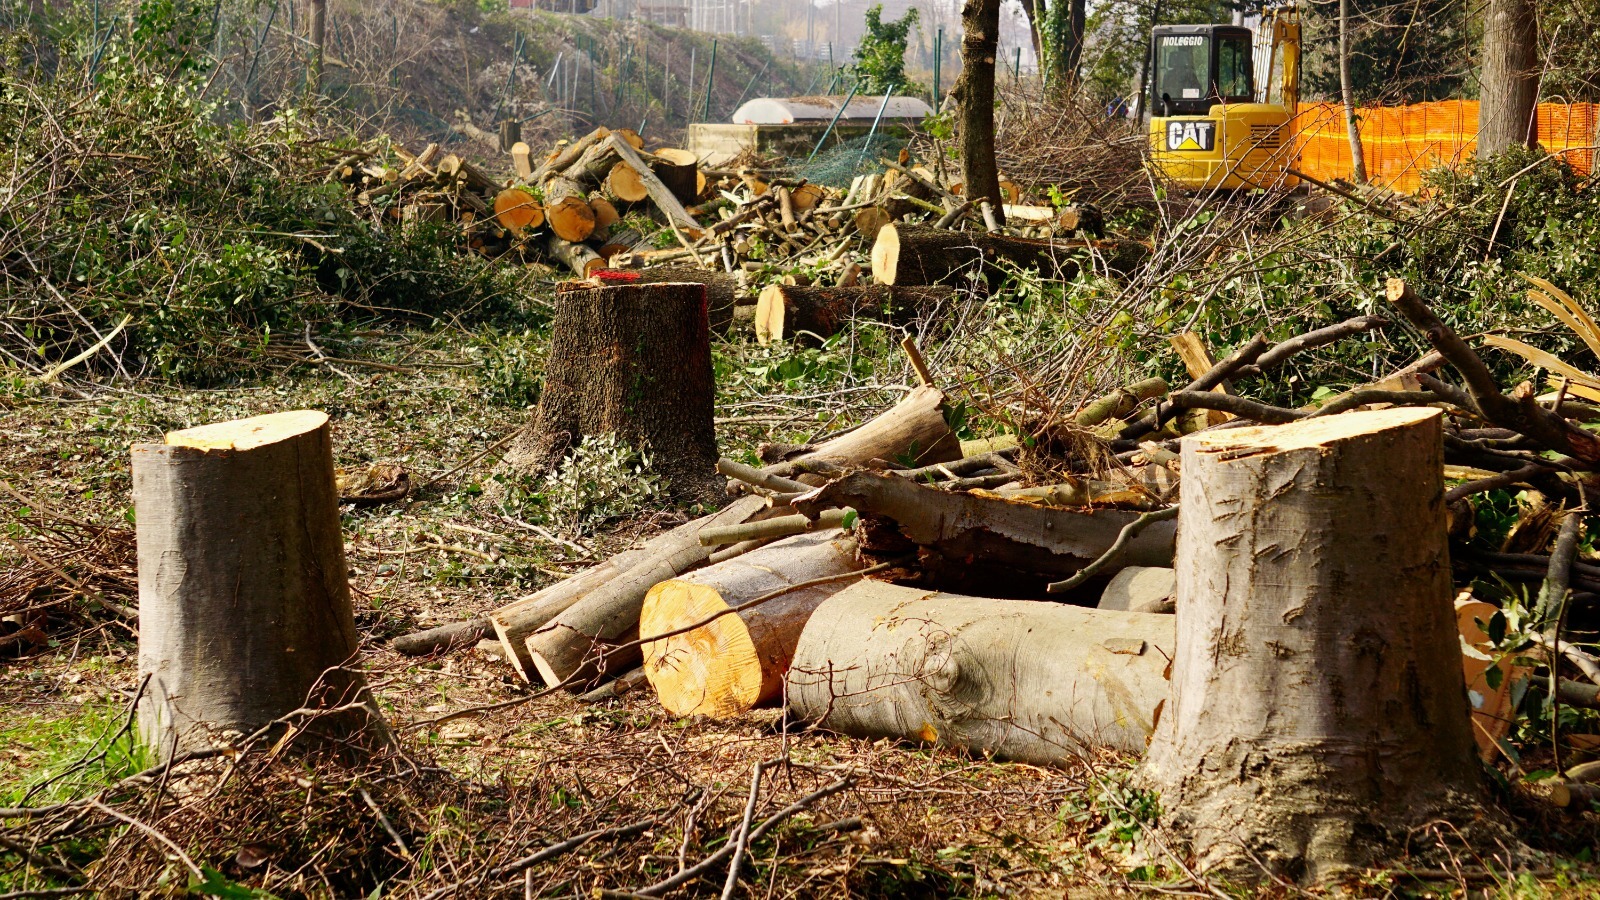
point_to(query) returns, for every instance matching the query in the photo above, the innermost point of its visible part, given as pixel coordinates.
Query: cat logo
(1190, 134)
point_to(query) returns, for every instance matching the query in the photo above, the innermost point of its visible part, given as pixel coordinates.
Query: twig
(405, 852)
(1495, 482)
(744, 831)
(548, 853)
(479, 455)
(909, 345)
(154, 834)
(1124, 538)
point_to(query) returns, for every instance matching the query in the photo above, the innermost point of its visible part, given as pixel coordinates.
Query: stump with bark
(1038, 682)
(635, 361)
(244, 607)
(722, 289)
(736, 662)
(1318, 710)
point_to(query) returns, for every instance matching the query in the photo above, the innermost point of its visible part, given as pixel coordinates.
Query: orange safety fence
(1399, 143)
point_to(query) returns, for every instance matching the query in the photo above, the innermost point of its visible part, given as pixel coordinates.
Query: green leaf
(1497, 628)
(849, 520)
(1493, 677)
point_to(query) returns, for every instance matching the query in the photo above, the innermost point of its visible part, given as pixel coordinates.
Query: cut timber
(971, 539)
(807, 196)
(566, 208)
(1317, 714)
(787, 311)
(571, 648)
(634, 361)
(871, 220)
(677, 156)
(569, 154)
(577, 257)
(517, 211)
(454, 636)
(244, 610)
(737, 662)
(914, 428)
(522, 160)
(605, 213)
(660, 194)
(679, 177)
(623, 182)
(722, 289)
(515, 622)
(918, 254)
(1038, 682)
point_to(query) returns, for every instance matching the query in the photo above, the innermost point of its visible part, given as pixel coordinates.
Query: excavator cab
(1211, 125)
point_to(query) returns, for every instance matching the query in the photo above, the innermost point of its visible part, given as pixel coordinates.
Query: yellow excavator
(1210, 126)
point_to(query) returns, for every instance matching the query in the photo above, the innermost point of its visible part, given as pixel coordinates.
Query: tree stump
(1317, 709)
(634, 360)
(244, 607)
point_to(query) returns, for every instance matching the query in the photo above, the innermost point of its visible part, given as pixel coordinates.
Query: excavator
(1210, 126)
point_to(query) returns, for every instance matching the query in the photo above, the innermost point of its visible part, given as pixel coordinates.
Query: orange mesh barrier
(1401, 142)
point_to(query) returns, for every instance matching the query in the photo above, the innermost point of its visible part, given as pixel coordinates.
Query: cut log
(454, 636)
(990, 544)
(679, 177)
(244, 610)
(572, 647)
(577, 257)
(914, 429)
(566, 208)
(592, 167)
(807, 196)
(476, 179)
(737, 662)
(635, 361)
(919, 254)
(1318, 713)
(522, 160)
(605, 213)
(515, 622)
(790, 311)
(871, 221)
(569, 154)
(623, 182)
(660, 194)
(722, 289)
(1037, 682)
(517, 211)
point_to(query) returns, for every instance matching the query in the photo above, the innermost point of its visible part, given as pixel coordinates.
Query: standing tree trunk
(1062, 40)
(1358, 159)
(319, 34)
(634, 360)
(1317, 710)
(1510, 80)
(974, 93)
(244, 610)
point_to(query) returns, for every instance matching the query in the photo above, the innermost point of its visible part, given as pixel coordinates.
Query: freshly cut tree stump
(788, 311)
(1318, 712)
(1030, 681)
(722, 289)
(680, 177)
(572, 648)
(632, 360)
(737, 662)
(920, 254)
(244, 610)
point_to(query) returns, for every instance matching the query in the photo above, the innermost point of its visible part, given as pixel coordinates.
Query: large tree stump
(1038, 682)
(244, 608)
(632, 360)
(722, 289)
(737, 662)
(1318, 710)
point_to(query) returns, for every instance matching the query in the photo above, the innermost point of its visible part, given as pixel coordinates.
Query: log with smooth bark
(244, 607)
(919, 254)
(969, 538)
(634, 361)
(515, 622)
(1037, 682)
(569, 154)
(1318, 714)
(737, 662)
(661, 195)
(582, 260)
(914, 430)
(790, 311)
(572, 647)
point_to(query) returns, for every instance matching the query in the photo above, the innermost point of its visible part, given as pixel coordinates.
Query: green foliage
(70, 757)
(602, 480)
(1114, 812)
(513, 365)
(880, 58)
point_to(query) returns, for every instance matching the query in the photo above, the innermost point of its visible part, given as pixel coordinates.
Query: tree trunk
(1358, 159)
(571, 648)
(1037, 682)
(515, 622)
(919, 254)
(788, 311)
(569, 154)
(974, 92)
(244, 610)
(915, 427)
(633, 360)
(737, 662)
(722, 289)
(318, 40)
(1318, 710)
(567, 210)
(582, 260)
(1510, 79)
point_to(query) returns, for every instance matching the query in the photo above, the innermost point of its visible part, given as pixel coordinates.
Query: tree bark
(737, 662)
(244, 610)
(572, 647)
(569, 154)
(722, 289)
(1037, 682)
(915, 427)
(817, 313)
(974, 92)
(633, 360)
(1510, 79)
(1358, 159)
(1318, 710)
(582, 260)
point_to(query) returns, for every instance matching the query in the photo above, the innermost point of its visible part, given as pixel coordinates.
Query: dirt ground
(464, 798)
